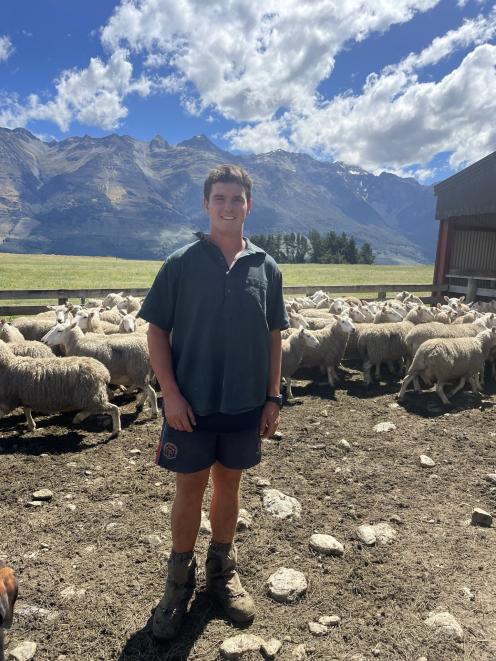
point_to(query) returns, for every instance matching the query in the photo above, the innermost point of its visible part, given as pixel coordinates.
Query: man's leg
(224, 507)
(181, 566)
(222, 578)
(186, 510)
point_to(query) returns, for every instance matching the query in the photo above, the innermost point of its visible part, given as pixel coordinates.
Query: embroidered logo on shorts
(170, 450)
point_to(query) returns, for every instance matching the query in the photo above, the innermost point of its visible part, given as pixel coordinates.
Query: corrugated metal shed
(469, 192)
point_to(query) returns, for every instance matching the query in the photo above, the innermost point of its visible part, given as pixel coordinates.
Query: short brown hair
(227, 174)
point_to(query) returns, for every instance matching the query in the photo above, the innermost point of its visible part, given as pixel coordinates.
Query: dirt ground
(92, 535)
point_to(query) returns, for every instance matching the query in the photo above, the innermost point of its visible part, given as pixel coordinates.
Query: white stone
(481, 518)
(111, 526)
(205, 526)
(71, 464)
(491, 477)
(245, 520)
(152, 540)
(394, 405)
(271, 647)
(70, 592)
(343, 443)
(299, 653)
(287, 585)
(135, 451)
(164, 509)
(317, 629)
(71, 506)
(277, 436)
(23, 652)
(236, 646)
(384, 533)
(34, 503)
(426, 461)
(366, 535)
(330, 620)
(326, 544)
(42, 494)
(280, 505)
(382, 427)
(445, 623)
(260, 481)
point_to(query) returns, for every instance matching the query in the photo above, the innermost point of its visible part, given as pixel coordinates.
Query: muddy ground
(92, 535)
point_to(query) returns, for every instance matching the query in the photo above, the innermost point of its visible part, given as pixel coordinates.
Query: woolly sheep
(292, 353)
(125, 356)
(9, 333)
(448, 359)
(332, 344)
(29, 348)
(33, 328)
(112, 299)
(55, 385)
(387, 314)
(89, 322)
(129, 304)
(381, 343)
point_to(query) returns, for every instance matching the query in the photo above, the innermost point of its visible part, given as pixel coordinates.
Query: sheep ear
(446, 299)
(438, 306)
(462, 298)
(73, 324)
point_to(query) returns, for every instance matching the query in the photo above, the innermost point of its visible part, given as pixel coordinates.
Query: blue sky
(407, 86)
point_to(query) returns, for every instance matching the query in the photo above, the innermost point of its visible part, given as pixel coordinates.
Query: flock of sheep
(67, 358)
(448, 343)
(99, 344)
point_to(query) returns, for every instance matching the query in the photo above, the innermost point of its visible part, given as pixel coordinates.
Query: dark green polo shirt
(221, 321)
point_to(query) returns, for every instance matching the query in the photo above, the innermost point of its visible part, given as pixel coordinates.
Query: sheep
(9, 333)
(387, 314)
(112, 299)
(33, 328)
(125, 356)
(55, 385)
(419, 314)
(89, 321)
(29, 348)
(332, 343)
(129, 304)
(297, 320)
(381, 343)
(444, 360)
(8, 596)
(292, 353)
(113, 315)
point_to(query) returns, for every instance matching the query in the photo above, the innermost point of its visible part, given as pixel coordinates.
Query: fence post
(381, 295)
(471, 290)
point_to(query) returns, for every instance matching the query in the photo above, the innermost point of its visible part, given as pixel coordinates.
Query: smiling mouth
(228, 217)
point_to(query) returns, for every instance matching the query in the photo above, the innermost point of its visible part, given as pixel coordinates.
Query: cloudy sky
(407, 86)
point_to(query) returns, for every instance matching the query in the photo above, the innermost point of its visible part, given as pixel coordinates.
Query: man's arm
(270, 414)
(177, 410)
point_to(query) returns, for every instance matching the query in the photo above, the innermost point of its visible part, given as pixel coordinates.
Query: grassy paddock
(68, 272)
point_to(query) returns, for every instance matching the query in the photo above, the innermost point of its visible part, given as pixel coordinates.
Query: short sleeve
(277, 316)
(159, 305)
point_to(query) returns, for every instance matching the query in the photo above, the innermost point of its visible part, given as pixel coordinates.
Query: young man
(216, 312)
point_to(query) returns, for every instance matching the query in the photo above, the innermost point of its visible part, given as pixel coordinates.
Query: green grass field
(67, 272)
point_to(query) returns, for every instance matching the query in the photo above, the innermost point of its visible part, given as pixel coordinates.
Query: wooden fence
(61, 296)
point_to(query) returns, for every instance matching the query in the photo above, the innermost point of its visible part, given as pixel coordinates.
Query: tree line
(317, 248)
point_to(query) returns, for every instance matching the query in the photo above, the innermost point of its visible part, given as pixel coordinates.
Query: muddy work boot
(224, 585)
(181, 583)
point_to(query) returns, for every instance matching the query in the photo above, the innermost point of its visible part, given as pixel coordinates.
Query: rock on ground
(205, 525)
(299, 653)
(271, 647)
(481, 518)
(280, 505)
(236, 646)
(384, 533)
(326, 544)
(317, 629)
(426, 461)
(445, 623)
(245, 520)
(287, 585)
(42, 494)
(382, 427)
(23, 652)
(366, 535)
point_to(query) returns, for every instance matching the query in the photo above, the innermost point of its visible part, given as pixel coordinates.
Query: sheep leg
(440, 392)
(116, 419)
(406, 381)
(367, 377)
(458, 387)
(79, 417)
(391, 367)
(152, 398)
(289, 392)
(378, 371)
(416, 383)
(330, 376)
(29, 418)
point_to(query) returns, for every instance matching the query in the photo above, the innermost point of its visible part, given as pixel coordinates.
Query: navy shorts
(232, 440)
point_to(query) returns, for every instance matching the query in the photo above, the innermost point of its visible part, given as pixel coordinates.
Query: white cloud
(398, 121)
(92, 96)
(6, 48)
(247, 59)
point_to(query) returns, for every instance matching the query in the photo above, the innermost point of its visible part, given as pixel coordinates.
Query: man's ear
(205, 204)
(248, 204)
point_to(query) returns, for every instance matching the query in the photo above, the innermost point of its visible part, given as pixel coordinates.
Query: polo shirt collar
(250, 248)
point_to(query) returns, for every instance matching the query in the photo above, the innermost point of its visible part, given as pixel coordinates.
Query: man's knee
(191, 486)
(226, 479)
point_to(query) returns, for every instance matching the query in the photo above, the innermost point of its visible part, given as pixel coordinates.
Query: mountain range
(129, 198)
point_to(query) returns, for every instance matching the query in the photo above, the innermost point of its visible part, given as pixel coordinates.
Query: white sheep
(292, 354)
(29, 348)
(9, 333)
(332, 344)
(448, 359)
(55, 385)
(33, 328)
(129, 304)
(112, 300)
(125, 356)
(381, 343)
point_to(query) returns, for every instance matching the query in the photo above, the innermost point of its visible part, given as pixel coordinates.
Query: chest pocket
(253, 294)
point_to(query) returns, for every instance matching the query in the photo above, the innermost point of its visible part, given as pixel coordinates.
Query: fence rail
(61, 296)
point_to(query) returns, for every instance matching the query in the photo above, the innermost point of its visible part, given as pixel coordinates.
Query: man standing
(216, 312)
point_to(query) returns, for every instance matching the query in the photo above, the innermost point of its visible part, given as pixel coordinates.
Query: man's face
(227, 208)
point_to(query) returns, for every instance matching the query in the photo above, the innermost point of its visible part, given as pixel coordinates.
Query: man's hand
(269, 420)
(178, 412)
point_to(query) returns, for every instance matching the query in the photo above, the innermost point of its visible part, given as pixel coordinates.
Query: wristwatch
(276, 399)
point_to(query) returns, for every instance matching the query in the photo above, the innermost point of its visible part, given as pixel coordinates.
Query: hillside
(128, 198)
